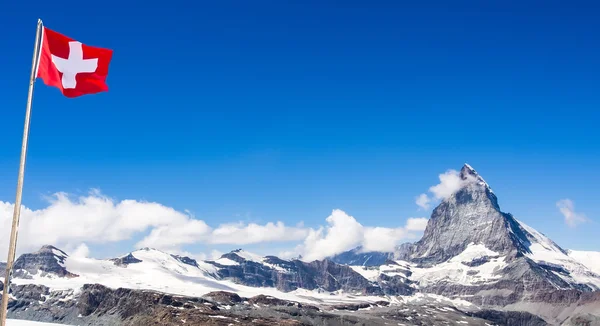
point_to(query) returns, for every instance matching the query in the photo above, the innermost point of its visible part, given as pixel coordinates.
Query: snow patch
(226, 262)
(372, 273)
(455, 271)
(590, 259)
(545, 251)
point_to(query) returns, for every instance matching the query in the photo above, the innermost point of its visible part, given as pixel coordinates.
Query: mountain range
(474, 264)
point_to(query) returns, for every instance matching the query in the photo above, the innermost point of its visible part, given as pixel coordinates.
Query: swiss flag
(74, 68)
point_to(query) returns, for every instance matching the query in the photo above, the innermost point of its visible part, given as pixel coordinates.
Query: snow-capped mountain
(46, 261)
(471, 253)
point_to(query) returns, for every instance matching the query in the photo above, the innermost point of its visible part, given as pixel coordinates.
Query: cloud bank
(72, 222)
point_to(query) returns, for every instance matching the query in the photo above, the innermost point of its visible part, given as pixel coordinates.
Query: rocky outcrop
(47, 260)
(186, 260)
(510, 317)
(125, 260)
(223, 298)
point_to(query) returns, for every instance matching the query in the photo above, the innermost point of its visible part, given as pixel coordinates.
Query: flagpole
(17, 209)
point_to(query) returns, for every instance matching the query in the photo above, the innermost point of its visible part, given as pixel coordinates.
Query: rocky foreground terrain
(99, 305)
(475, 265)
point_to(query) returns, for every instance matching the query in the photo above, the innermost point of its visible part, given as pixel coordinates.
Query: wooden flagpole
(17, 209)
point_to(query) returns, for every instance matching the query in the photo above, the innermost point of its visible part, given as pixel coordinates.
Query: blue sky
(268, 111)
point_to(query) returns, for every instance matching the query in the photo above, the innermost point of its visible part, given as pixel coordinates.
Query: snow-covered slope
(163, 272)
(238, 256)
(590, 259)
(391, 269)
(545, 252)
(475, 265)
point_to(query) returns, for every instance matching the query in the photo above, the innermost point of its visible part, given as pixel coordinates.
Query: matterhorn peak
(468, 174)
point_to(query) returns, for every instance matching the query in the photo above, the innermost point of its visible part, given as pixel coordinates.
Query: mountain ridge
(471, 252)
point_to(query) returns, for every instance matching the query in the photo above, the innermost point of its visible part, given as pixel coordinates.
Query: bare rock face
(47, 260)
(186, 260)
(223, 298)
(288, 276)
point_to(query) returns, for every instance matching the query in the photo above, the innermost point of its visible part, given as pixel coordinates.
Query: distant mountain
(357, 257)
(49, 260)
(289, 275)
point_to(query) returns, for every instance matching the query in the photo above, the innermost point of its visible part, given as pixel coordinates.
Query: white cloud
(567, 208)
(172, 236)
(81, 251)
(450, 182)
(382, 239)
(344, 232)
(73, 223)
(416, 223)
(423, 201)
(67, 222)
(239, 233)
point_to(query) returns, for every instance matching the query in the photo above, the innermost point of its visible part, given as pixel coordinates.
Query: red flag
(74, 68)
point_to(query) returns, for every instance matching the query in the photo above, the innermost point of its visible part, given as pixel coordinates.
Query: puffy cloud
(572, 218)
(423, 201)
(81, 251)
(344, 232)
(94, 218)
(450, 182)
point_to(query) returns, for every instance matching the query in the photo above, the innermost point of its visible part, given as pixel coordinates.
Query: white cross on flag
(74, 68)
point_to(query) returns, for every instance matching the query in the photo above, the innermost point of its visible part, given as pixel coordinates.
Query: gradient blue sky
(267, 110)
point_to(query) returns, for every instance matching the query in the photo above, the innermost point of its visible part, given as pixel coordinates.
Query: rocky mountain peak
(47, 260)
(52, 250)
(469, 171)
(474, 188)
(471, 215)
